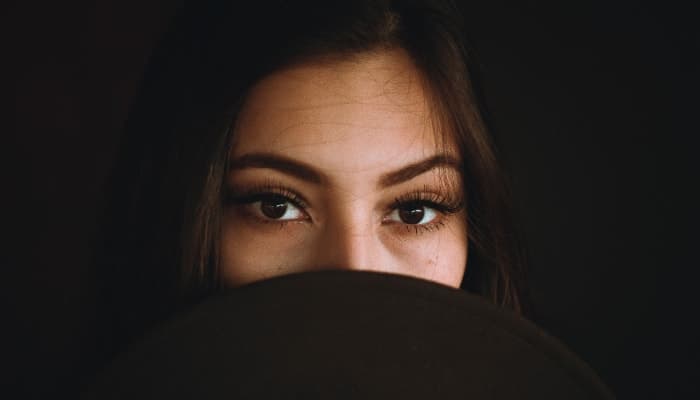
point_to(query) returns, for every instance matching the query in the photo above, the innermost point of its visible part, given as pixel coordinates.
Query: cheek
(251, 252)
(438, 256)
(248, 255)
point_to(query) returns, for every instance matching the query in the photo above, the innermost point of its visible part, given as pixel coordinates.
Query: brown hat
(348, 335)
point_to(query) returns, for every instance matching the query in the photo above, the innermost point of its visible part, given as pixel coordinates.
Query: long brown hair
(162, 227)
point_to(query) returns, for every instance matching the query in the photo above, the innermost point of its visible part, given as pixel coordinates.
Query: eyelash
(426, 198)
(264, 192)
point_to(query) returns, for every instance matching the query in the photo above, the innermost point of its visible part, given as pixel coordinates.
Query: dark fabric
(341, 334)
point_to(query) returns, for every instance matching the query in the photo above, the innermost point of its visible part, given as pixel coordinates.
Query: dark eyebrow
(413, 170)
(307, 173)
(283, 164)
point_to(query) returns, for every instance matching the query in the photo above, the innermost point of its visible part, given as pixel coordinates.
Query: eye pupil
(412, 214)
(273, 208)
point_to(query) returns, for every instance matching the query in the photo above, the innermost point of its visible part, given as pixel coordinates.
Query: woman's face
(337, 165)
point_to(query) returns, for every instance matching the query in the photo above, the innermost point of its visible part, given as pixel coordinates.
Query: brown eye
(277, 208)
(412, 215)
(273, 208)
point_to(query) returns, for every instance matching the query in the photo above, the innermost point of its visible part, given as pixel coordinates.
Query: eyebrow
(283, 164)
(305, 172)
(413, 170)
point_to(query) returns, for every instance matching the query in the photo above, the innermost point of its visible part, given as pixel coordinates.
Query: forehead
(353, 115)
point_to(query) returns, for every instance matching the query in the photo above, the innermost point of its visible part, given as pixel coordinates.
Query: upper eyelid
(252, 197)
(294, 197)
(432, 197)
(442, 202)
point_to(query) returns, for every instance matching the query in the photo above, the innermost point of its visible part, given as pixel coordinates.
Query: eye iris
(273, 208)
(412, 214)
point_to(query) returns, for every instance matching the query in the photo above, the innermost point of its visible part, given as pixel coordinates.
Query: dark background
(593, 105)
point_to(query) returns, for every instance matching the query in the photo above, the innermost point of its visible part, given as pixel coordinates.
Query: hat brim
(348, 334)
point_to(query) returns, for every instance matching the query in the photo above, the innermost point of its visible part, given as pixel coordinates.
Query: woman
(270, 139)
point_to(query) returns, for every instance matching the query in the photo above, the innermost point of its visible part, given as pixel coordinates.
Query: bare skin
(336, 165)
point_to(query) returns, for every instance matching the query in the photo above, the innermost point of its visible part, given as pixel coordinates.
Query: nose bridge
(349, 242)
